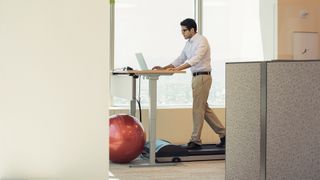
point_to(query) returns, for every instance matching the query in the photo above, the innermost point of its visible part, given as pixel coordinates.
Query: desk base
(152, 165)
(145, 162)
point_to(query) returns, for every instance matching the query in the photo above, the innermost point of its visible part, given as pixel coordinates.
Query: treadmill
(167, 152)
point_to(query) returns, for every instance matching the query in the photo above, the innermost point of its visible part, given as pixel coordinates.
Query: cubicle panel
(243, 99)
(293, 125)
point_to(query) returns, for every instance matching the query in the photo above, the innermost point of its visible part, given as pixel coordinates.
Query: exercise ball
(126, 138)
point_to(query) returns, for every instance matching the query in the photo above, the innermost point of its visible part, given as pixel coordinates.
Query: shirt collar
(194, 37)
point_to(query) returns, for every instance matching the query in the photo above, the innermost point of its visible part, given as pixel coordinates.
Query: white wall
(290, 21)
(54, 89)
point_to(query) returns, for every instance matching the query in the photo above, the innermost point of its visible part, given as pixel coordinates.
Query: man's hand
(157, 68)
(163, 68)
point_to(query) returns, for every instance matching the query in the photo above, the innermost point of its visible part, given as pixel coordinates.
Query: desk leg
(152, 117)
(134, 99)
(152, 124)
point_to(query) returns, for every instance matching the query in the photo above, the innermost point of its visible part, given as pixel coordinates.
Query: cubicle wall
(243, 120)
(293, 124)
(273, 120)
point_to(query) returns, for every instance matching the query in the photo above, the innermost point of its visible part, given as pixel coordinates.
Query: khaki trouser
(201, 85)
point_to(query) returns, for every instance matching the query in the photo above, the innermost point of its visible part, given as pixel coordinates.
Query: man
(196, 56)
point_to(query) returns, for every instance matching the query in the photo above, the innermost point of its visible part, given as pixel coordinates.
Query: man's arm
(180, 68)
(176, 63)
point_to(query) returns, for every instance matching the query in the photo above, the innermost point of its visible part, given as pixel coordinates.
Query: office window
(232, 27)
(153, 28)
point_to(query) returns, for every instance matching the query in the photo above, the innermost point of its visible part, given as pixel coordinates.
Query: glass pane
(233, 31)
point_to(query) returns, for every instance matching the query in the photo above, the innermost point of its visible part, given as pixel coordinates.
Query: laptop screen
(141, 61)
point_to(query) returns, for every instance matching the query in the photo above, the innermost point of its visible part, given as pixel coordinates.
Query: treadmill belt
(167, 152)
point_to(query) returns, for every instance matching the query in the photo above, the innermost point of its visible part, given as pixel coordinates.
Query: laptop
(141, 61)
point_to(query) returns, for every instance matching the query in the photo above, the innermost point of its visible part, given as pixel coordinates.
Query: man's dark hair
(189, 23)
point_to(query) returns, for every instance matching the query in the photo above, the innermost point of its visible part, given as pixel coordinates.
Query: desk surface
(144, 72)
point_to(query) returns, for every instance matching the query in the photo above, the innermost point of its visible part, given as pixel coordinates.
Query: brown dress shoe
(193, 145)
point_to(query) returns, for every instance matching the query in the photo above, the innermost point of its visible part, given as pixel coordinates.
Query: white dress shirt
(196, 53)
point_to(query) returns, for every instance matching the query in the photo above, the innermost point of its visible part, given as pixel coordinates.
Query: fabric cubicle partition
(273, 120)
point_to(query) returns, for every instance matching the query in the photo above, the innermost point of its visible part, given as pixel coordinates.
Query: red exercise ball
(126, 138)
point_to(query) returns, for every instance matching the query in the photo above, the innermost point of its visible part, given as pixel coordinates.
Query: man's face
(187, 34)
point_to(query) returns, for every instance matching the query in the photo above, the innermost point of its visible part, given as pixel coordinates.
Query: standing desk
(152, 76)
